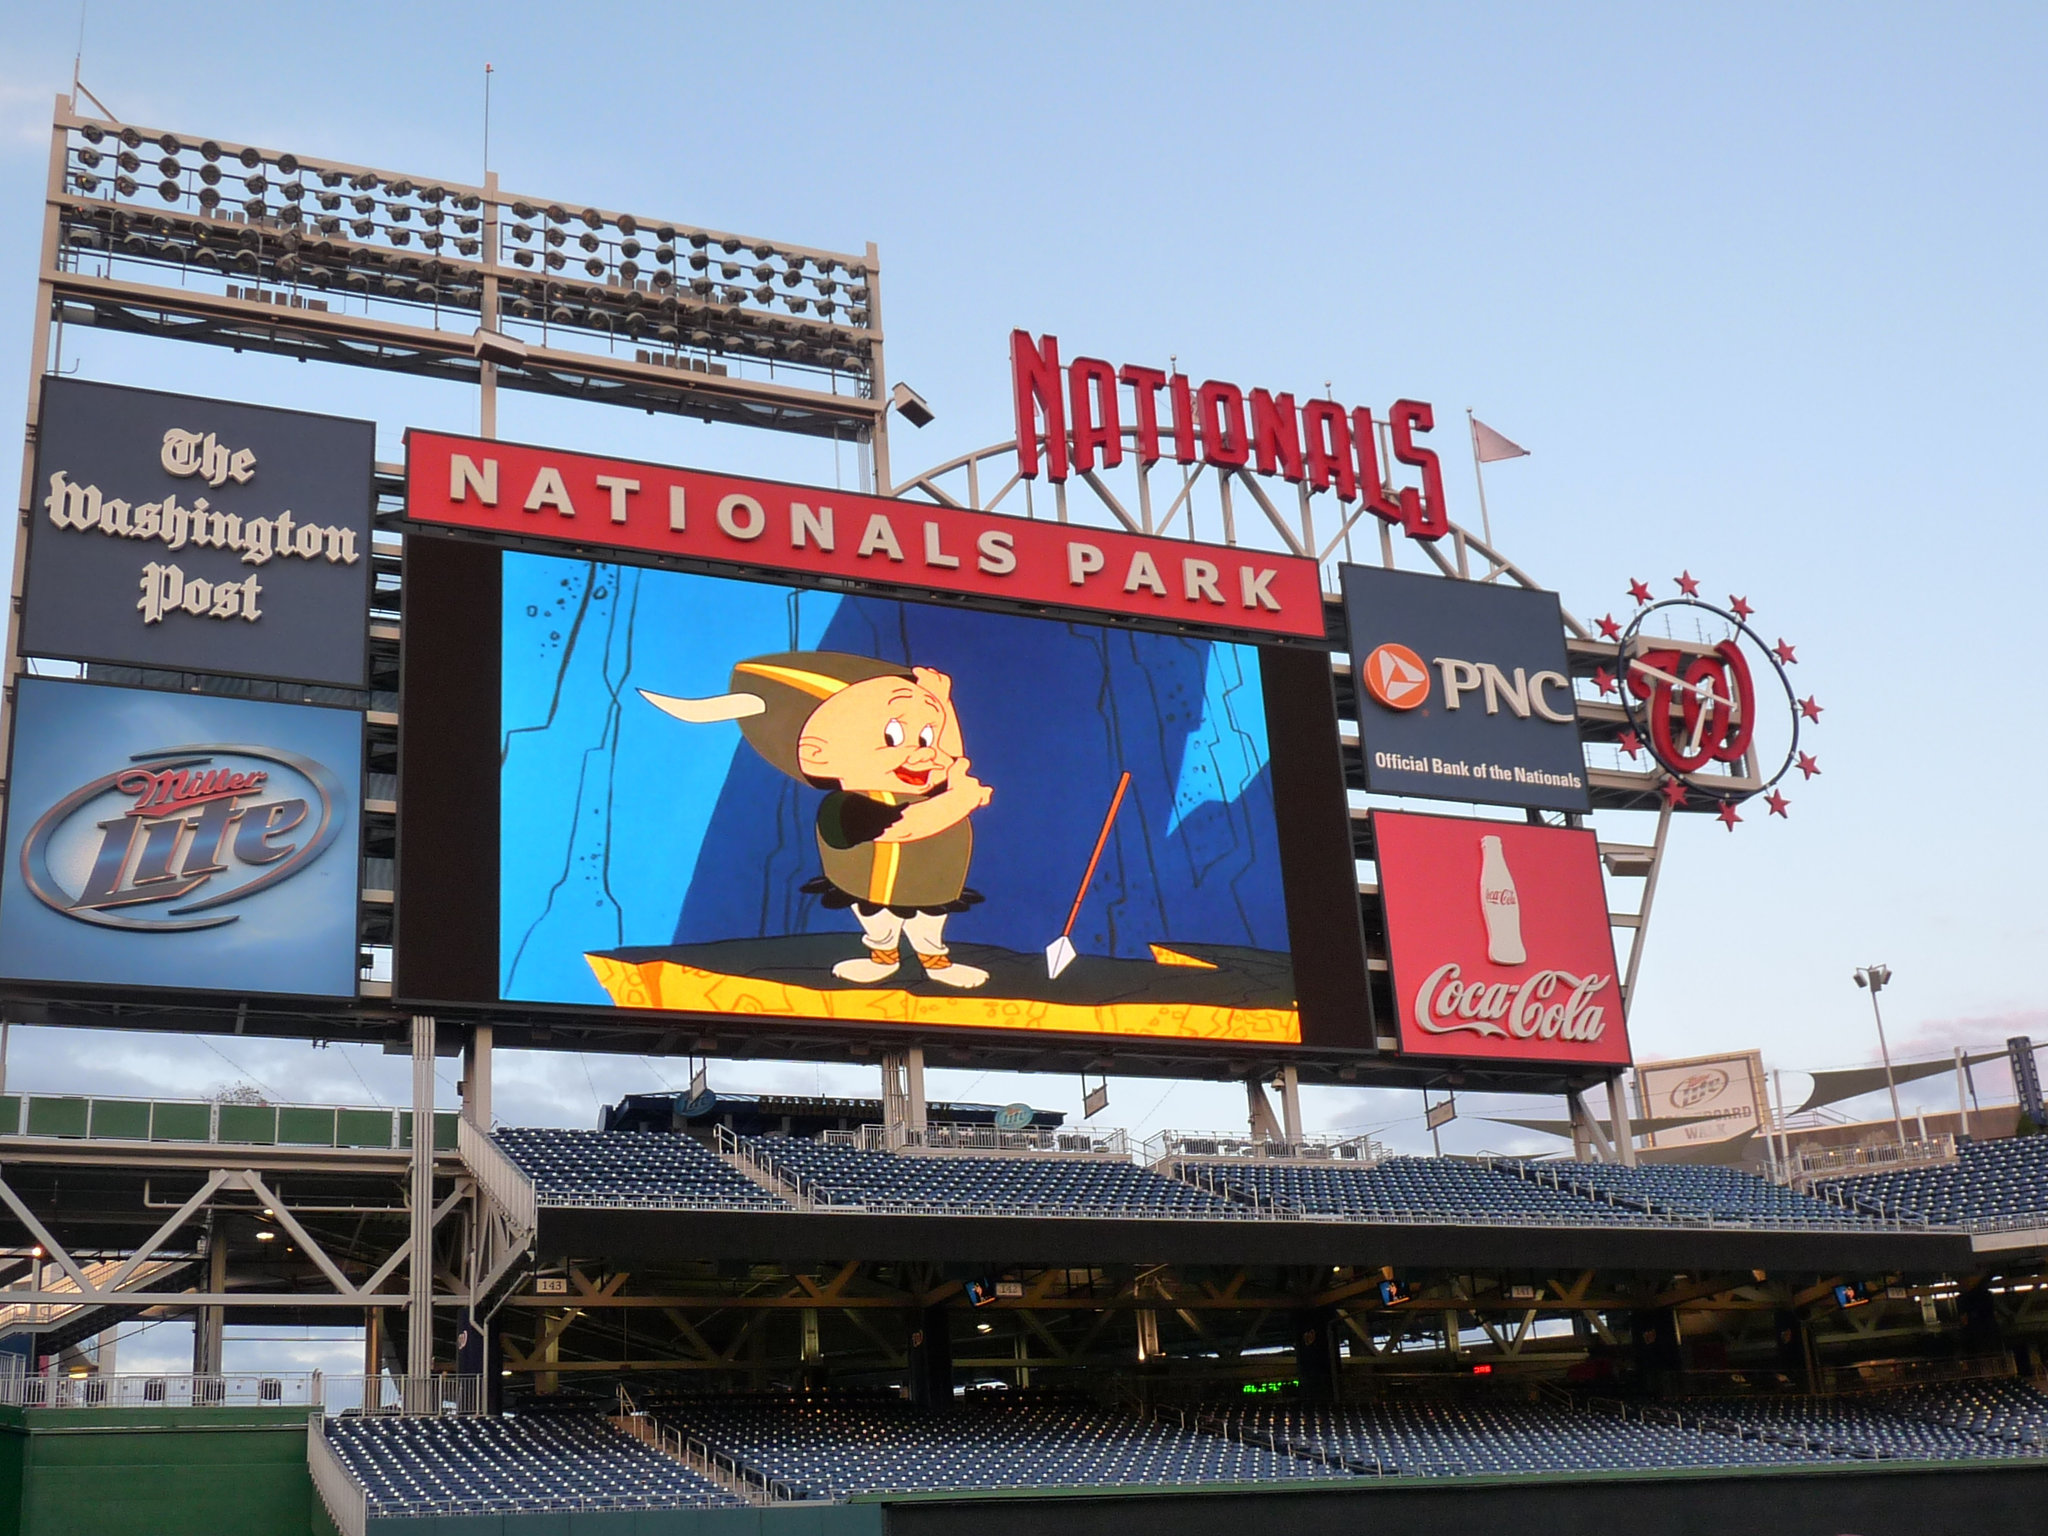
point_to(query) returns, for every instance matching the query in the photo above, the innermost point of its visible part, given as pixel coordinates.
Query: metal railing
(105, 1117)
(347, 1501)
(711, 1464)
(1836, 1162)
(1053, 1140)
(1178, 1146)
(498, 1175)
(371, 1396)
(765, 1169)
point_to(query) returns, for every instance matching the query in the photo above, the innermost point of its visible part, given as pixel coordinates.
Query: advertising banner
(1498, 939)
(172, 840)
(199, 535)
(734, 797)
(1728, 1087)
(1464, 692)
(646, 509)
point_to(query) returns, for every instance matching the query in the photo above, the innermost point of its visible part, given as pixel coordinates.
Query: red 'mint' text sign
(544, 493)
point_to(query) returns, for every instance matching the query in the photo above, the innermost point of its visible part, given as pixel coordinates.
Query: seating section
(1033, 1186)
(826, 1448)
(484, 1466)
(1912, 1424)
(2010, 1412)
(1413, 1189)
(2004, 1181)
(1449, 1439)
(660, 1170)
(820, 1446)
(645, 1169)
(1696, 1192)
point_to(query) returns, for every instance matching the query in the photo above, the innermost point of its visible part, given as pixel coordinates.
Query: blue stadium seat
(422, 1466)
(639, 1169)
(2003, 1182)
(831, 1448)
(1021, 1185)
(1692, 1192)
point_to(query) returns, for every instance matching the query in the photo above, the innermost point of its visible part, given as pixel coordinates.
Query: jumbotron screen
(734, 796)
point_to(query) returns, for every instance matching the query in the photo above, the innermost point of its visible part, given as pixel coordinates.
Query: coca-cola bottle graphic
(1502, 909)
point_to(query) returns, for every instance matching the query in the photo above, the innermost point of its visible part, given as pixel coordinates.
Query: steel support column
(1289, 1084)
(419, 1322)
(208, 1325)
(1618, 1119)
(476, 1078)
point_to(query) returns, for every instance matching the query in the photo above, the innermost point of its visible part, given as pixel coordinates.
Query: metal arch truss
(1296, 532)
(143, 1260)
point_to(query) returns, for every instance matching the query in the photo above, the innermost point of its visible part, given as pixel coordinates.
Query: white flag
(1488, 445)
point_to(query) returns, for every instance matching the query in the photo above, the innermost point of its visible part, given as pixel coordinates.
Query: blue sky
(1758, 285)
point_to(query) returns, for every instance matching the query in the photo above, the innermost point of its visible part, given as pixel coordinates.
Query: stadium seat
(638, 1169)
(1990, 1183)
(1027, 1186)
(423, 1466)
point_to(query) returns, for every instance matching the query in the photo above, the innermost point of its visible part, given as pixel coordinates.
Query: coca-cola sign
(196, 535)
(1498, 939)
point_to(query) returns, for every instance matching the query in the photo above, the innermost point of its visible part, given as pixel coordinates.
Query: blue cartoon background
(622, 826)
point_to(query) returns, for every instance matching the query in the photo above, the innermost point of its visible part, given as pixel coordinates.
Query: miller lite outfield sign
(634, 509)
(177, 840)
(1464, 692)
(198, 535)
(1498, 941)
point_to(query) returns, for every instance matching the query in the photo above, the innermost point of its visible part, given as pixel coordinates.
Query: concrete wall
(1946, 1500)
(154, 1472)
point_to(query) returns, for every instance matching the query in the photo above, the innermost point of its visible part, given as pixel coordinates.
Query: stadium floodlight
(1874, 977)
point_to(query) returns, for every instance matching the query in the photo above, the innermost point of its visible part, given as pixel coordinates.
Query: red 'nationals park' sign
(1498, 936)
(545, 493)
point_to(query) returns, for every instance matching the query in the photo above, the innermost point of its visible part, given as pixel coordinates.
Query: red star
(1630, 742)
(1739, 606)
(1603, 680)
(1639, 590)
(1687, 583)
(1608, 628)
(1783, 651)
(1778, 803)
(1811, 710)
(1727, 814)
(1809, 764)
(1673, 793)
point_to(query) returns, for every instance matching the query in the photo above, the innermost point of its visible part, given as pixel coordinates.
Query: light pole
(1874, 977)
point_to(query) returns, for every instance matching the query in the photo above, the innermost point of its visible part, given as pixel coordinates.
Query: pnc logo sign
(175, 839)
(1397, 678)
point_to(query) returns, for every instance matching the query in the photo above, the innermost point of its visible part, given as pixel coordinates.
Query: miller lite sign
(177, 840)
(199, 535)
(1498, 941)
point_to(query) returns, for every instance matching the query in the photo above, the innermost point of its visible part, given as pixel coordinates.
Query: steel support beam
(419, 1332)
